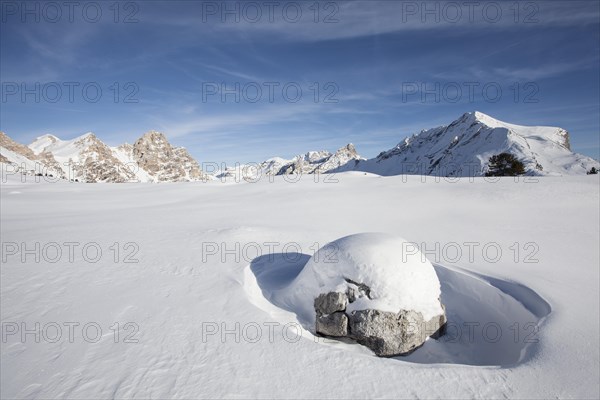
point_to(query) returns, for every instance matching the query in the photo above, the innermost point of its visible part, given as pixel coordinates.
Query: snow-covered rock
(374, 288)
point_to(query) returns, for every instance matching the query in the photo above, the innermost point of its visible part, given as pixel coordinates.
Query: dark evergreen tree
(592, 171)
(505, 164)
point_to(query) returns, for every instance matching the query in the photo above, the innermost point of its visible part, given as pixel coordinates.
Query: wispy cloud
(236, 122)
(354, 19)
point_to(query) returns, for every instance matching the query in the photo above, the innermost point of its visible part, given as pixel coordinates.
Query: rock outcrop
(385, 333)
(163, 162)
(331, 319)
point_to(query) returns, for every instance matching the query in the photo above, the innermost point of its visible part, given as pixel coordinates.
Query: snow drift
(397, 279)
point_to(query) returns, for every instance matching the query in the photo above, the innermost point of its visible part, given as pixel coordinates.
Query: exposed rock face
(97, 163)
(331, 302)
(53, 166)
(163, 162)
(83, 159)
(272, 166)
(335, 324)
(305, 163)
(389, 334)
(331, 319)
(386, 333)
(87, 159)
(13, 146)
(343, 159)
(24, 160)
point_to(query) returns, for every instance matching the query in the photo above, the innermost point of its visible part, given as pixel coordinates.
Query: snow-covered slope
(178, 304)
(124, 153)
(85, 158)
(463, 148)
(252, 171)
(6, 143)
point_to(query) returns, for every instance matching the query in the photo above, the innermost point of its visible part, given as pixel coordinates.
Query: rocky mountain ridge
(87, 159)
(461, 148)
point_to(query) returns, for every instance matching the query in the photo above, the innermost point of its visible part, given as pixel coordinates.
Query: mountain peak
(88, 136)
(349, 148)
(153, 153)
(48, 137)
(41, 142)
(473, 117)
(152, 134)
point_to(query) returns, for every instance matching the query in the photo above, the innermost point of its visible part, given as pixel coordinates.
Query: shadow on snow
(491, 321)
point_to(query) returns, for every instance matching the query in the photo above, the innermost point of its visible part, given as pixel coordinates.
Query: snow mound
(473, 301)
(398, 276)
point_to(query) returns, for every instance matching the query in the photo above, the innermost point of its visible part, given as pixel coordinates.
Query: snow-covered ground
(179, 302)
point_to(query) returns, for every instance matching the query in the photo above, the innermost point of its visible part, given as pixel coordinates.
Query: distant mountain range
(461, 148)
(87, 159)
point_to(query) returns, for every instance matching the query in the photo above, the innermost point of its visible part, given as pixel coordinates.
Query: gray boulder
(331, 319)
(385, 333)
(335, 324)
(390, 334)
(328, 303)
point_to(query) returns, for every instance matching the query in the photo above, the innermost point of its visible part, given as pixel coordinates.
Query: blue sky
(382, 70)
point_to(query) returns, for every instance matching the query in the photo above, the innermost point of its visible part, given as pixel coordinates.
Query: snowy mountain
(320, 161)
(87, 159)
(309, 163)
(252, 171)
(463, 148)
